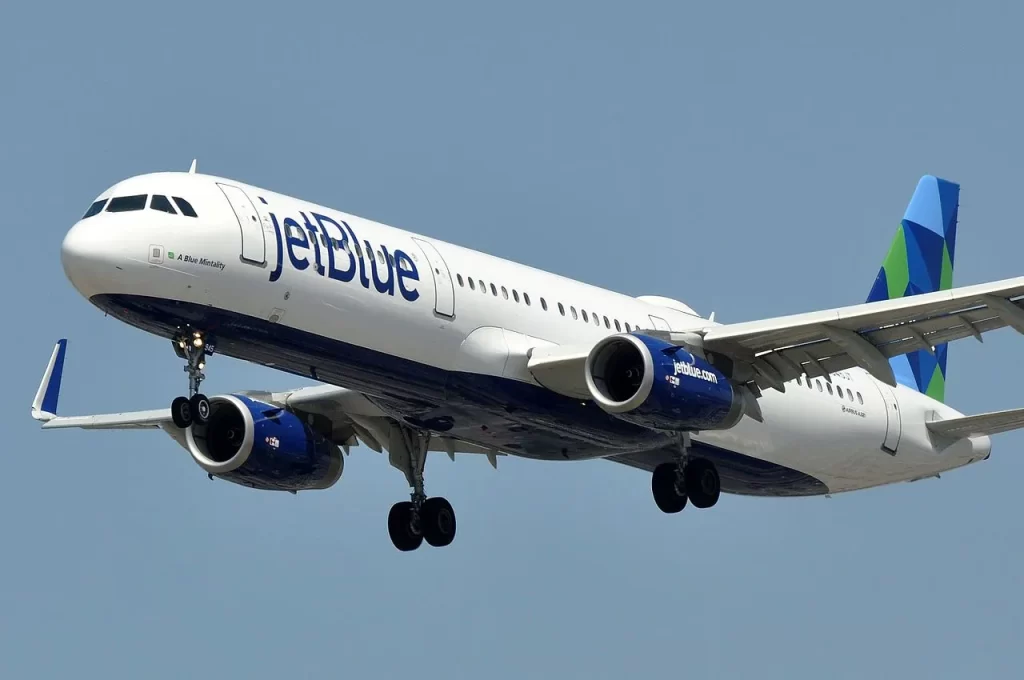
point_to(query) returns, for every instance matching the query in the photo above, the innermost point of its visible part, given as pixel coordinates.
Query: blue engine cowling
(263, 446)
(658, 385)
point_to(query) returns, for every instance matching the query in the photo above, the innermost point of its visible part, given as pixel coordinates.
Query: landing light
(198, 342)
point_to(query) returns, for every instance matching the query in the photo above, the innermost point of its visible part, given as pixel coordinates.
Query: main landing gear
(421, 518)
(688, 479)
(191, 346)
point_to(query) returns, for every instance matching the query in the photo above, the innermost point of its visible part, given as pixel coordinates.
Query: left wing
(348, 416)
(866, 335)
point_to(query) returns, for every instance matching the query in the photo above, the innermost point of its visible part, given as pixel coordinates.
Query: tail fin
(920, 260)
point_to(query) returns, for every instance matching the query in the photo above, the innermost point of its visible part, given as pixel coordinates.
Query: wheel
(400, 527)
(437, 520)
(702, 483)
(667, 494)
(200, 408)
(181, 412)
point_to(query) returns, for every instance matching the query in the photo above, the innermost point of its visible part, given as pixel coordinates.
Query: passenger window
(544, 304)
(459, 277)
(471, 286)
(95, 208)
(185, 207)
(597, 322)
(573, 310)
(828, 386)
(849, 395)
(860, 399)
(799, 381)
(494, 291)
(627, 328)
(586, 318)
(127, 203)
(504, 292)
(617, 326)
(380, 258)
(561, 309)
(818, 383)
(839, 391)
(161, 203)
(526, 299)
(515, 295)
(391, 259)
(607, 324)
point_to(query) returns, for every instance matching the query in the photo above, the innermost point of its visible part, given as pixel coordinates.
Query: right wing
(348, 417)
(866, 335)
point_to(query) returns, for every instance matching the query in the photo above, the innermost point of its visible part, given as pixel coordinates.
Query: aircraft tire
(667, 495)
(437, 519)
(400, 527)
(181, 412)
(702, 483)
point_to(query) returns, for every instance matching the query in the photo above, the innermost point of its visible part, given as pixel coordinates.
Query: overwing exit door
(254, 246)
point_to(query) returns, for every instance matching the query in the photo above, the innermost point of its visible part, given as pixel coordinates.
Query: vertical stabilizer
(920, 260)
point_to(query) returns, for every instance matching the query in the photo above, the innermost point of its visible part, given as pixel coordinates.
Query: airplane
(420, 346)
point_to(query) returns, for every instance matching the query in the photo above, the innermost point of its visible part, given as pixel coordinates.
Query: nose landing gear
(191, 346)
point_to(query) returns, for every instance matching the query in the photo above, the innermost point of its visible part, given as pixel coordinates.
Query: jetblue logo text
(338, 254)
(683, 368)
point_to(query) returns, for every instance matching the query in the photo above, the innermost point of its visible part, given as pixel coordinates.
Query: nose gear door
(254, 246)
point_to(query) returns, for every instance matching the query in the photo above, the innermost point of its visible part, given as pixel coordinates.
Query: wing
(982, 424)
(346, 417)
(865, 335)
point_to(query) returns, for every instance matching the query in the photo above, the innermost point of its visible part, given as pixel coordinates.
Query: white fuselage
(433, 331)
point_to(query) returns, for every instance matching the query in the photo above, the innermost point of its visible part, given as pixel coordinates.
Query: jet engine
(263, 446)
(662, 386)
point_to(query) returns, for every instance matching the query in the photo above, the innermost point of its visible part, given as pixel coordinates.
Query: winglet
(44, 407)
(192, 168)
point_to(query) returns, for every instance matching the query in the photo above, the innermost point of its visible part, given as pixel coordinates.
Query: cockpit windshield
(157, 202)
(95, 208)
(127, 203)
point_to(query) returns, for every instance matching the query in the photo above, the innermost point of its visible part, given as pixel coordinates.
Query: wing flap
(982, 424)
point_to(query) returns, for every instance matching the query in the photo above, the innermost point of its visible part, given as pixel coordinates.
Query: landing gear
(688, 479)
(412, 521)
(191, 346)
(700, 478)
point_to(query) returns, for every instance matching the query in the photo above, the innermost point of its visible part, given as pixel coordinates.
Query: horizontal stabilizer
(983, 424)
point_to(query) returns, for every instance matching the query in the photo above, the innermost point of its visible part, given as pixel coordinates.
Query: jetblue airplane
(422, 346)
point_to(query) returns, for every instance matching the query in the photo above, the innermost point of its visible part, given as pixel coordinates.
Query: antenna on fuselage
(192, 168)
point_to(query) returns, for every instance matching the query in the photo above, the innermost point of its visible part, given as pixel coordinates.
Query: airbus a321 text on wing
(425, 346)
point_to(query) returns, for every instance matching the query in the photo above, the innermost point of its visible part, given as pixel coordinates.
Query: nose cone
(85, 259)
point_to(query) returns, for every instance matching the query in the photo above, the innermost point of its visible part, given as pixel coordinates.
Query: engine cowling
(658, 385)
(263, 446)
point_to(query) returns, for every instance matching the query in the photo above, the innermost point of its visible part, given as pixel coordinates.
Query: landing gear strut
(421, 518)
(191, 346)
(688, 479)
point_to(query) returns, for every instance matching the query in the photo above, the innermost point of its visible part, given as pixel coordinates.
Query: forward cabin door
(254, 246)
(444, 289)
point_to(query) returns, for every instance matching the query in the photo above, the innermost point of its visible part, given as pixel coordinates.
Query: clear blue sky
(752, 159)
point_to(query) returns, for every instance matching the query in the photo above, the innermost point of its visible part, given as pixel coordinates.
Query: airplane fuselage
(439, 337)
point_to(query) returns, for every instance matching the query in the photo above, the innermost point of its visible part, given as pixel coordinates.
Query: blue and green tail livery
(920, 260)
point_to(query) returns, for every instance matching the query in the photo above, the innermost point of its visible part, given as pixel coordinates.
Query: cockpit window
(95, 208)
(127, 203)
(161, 203)
(185, 207)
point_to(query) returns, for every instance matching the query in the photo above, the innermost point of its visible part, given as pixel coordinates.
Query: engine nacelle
(661, 386)
(263, 446)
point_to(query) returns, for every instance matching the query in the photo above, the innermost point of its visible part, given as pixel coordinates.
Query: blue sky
(752, 160)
